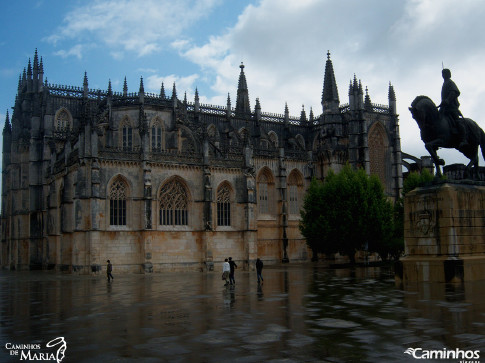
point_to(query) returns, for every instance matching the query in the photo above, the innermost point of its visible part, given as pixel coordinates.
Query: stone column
(250, 231)
(207, 234)
(284, 204)
(147, 220)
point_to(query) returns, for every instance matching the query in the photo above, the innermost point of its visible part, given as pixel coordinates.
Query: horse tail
(482, 142)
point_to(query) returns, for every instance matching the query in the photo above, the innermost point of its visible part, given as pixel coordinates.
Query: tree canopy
(348, 212)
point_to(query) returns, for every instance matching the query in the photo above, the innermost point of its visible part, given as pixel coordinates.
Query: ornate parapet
(444, 233)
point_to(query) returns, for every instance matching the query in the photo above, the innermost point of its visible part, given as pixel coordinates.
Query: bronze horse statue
(438, 131)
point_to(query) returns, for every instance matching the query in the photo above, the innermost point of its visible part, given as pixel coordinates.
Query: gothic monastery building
(155, 182)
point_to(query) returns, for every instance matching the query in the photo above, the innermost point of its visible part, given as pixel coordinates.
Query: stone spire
(174, 96)
(41, 73)
(228, 107)
(392, 99)
(330, 99)
(7, 141)
(142, 88)
(29, 77)
(356, 95)
(162, 92)
(257, 109)
(125, 88)
(141, 91)
(286, 123)
(29, 70)
(85, 85)
(24, 79)
(7, 128)
(257, 114)
(303, 119)
(35, 67)
(312, 118)
(196, 101)
(367, 101)
(174, 92)
(242, 101)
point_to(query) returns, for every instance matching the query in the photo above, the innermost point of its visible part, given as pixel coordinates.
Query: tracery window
(211, 131)
(264, 193)
(117, 203)
(377, 151)
(301, 141)
(127, 137)
(273, 138)
(173, 204)
(295, 186)
(156, 133)
(224, 205)
(62, 120)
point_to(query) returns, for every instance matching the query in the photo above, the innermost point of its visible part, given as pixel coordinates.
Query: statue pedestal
(444, 234)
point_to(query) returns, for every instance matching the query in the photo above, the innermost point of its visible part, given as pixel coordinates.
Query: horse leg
(437, 161)
(473, 156)
(474, 163)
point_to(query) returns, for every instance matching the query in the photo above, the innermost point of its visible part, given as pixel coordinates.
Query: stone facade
(443, 233)
(153, 182)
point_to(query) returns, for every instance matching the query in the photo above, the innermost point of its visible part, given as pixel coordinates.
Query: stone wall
(444, 233)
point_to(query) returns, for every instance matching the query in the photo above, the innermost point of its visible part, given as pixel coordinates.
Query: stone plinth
(444, 233)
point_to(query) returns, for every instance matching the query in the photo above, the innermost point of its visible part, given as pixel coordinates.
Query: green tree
(417, 179)
(346, 213)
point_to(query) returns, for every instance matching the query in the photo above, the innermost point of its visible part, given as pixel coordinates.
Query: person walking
(259, 270)
(226, 268)
(109, 268)
(232, 266)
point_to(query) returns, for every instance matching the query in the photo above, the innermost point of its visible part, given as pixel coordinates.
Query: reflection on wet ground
(302, 313)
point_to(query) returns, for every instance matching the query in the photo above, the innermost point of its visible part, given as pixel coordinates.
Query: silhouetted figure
(232, 266)
(259, 270)
(109, 269)
(449, 106)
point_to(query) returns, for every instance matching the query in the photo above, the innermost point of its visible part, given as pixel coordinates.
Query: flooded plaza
(302, 313)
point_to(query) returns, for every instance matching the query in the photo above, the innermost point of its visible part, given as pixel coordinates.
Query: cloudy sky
(283, 44)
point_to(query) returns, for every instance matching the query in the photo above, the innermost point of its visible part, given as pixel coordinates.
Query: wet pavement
(302, 313)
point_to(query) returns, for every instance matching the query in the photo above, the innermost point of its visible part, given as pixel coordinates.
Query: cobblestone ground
(302, 313)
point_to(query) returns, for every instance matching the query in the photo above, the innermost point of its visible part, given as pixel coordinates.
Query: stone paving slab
(302, 313)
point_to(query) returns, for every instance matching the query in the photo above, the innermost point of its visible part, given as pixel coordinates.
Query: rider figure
(449, 105)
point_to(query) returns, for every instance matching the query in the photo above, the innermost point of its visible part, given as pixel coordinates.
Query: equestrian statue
(444, 126)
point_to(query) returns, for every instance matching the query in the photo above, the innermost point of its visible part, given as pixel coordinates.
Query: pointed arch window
(127, 138)
(156, 136)
(173, 204)
(273, 138)
(63, 120)
(264, 194)
(117, 203)
(377, 151)
(224, 205)
(295, 188)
